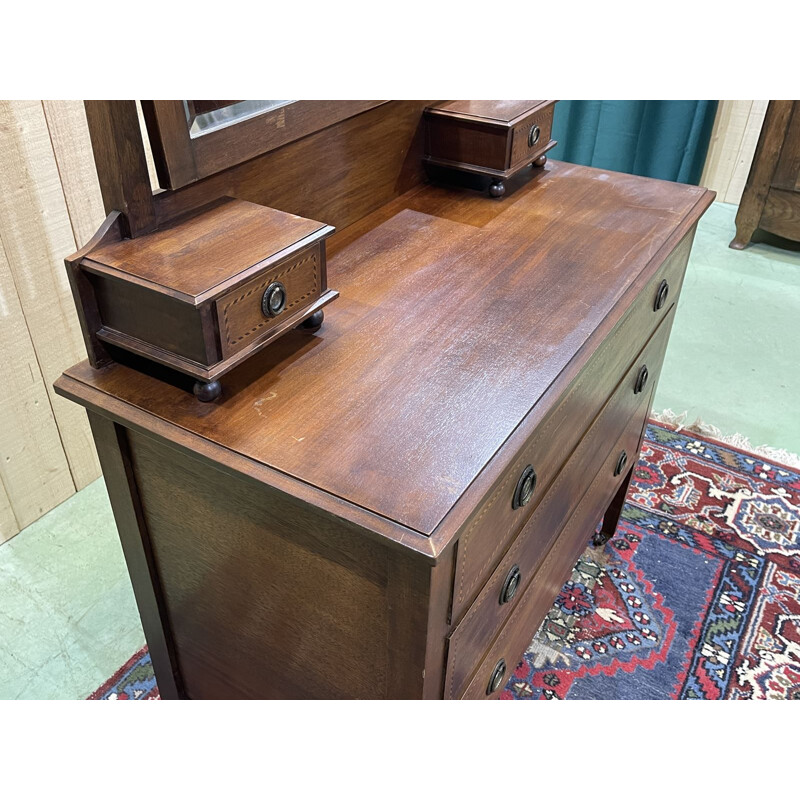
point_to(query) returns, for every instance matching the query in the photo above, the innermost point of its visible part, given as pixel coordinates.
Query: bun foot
(206, 392)
(599, 539)
(312, 323)
(497, 189)
(539, 162)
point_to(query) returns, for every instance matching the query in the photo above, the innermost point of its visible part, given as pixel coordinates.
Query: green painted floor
(68, 619)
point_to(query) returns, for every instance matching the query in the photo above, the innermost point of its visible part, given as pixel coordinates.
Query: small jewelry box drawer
(206, 291)
(490, 138)
(253, 309)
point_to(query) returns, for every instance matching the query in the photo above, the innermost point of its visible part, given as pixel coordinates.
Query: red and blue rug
(697, 596)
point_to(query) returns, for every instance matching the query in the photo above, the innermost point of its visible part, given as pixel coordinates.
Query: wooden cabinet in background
(771, 199)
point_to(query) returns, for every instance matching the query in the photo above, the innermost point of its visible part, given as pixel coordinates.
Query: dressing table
(386, 507)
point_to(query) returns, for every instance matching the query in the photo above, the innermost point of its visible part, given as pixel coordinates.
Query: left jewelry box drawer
(203, 293)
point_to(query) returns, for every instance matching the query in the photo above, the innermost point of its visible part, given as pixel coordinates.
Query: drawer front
(537, 598)
(489, 531)
(242, 320)
(626, 411)
(526, 140)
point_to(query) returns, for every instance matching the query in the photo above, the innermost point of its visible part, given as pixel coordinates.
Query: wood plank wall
(733, 143)
(50, 205)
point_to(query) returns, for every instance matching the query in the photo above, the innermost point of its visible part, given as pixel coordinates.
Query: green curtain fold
(665, 139)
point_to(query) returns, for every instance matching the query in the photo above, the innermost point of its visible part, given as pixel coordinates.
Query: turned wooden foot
(539, 162)
(497, 189)
(313, 323)
(205, 392)
(600, 538)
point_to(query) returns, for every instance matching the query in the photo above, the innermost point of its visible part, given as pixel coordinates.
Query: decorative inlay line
(259, 288)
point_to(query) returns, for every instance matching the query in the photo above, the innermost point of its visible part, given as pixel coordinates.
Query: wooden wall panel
(733, 143)
(8, 522)
(36, 231)
(34, 472)
(69, 135)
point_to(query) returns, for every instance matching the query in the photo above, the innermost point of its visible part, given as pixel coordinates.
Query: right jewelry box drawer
(501, 515)
(608, 450)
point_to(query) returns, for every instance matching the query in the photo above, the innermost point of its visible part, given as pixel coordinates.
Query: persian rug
(697, 596)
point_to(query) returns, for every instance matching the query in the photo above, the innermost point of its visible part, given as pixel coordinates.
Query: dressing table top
(413, 385)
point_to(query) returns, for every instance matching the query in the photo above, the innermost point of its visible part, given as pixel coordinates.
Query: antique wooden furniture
(492, 138)
(771, 198)
(206, 291)
(387, 508)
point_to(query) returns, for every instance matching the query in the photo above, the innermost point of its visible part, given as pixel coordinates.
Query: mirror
(207, 116)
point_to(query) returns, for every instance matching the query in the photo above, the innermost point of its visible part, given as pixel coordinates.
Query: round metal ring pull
(510, 585)
(621, 462)
(496, 681)
(661, 295)
(641, 380)
(274, 299)
(525, 486)
(533, 135)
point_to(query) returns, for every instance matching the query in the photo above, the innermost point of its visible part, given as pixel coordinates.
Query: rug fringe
(678, 421)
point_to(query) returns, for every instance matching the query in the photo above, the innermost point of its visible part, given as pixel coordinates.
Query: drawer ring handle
(274, 299)
(524, 489)
(641, 380)
(661, 296)
(621, 462)
(496, 681)
(533, 135)
(510, 585)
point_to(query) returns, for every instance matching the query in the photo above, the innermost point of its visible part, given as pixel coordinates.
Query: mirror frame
(181, 160)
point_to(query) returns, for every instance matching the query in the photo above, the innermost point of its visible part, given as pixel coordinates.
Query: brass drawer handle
(621, 462)
(525, 486)
(496, 681)
(510, 585)
(661, 295)
(533, 135)
(641, 380)
(274, 299)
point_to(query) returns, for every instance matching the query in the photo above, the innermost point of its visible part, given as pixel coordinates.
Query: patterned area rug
(697, 596)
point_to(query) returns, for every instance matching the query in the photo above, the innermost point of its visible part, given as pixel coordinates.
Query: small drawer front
(622, 416)
(533, 603)
(497, 520)
(251, 310)
(531, 136)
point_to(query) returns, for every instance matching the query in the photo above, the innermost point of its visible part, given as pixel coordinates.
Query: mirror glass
(205, 116)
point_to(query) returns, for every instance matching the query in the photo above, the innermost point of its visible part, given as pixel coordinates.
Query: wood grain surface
(624, 411)
(399, 412)
(36, 235)
(197, 254)
(504, 111)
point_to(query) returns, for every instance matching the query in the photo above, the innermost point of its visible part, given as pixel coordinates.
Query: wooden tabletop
(456, 314)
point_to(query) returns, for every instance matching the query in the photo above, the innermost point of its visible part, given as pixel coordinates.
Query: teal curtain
(665, 139)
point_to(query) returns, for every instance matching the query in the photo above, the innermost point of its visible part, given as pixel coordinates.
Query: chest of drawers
(388, 508)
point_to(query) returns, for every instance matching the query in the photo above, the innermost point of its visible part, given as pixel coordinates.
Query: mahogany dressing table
(387, 507)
